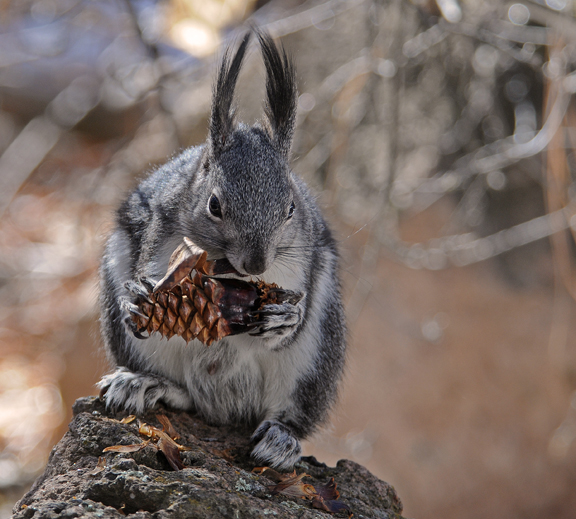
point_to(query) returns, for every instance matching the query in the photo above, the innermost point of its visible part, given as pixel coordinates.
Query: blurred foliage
(404, 107)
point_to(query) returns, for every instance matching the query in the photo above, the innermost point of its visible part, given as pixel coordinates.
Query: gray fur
(284, 375)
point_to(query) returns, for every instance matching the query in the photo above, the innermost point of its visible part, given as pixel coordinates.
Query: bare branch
(464, 249)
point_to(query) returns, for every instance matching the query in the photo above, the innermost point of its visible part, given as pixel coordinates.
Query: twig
(154, 54)
(305, 18)
(41, 134)
(562, 24)
(386, 216)
(556, 188)
(509, 153)
(465, 249)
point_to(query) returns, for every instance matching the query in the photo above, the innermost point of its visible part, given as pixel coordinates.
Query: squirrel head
(249, 201)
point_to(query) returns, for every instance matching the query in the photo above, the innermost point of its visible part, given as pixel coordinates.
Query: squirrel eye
(291, 210)
(214, 206)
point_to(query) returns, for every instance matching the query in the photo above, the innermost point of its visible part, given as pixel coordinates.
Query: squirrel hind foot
(277, 446)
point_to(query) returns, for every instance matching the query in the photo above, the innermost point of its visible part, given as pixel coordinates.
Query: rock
(217, 480)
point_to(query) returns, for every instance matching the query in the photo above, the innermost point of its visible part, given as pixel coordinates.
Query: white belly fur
(249, 379)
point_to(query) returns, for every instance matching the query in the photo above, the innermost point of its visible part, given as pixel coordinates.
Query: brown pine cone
(189, 302)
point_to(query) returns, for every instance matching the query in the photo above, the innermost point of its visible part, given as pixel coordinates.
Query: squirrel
(236, 197)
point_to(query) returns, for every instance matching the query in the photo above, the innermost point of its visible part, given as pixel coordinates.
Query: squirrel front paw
(278, 321)
(138, 392)
(276, 445)
(139, 291)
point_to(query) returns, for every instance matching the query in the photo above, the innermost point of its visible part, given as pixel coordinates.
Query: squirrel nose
(255, 266)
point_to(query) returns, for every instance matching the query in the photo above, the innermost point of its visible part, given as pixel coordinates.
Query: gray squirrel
(236, 197)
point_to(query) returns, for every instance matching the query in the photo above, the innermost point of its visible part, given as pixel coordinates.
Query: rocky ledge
(214, 477)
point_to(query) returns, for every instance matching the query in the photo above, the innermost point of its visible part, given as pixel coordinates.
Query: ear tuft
(281, 92)
(222, 117)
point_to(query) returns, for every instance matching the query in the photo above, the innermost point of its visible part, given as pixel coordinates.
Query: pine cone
(192, 304)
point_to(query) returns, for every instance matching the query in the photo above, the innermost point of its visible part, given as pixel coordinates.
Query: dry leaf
(287, 481)
(327, 499)
(167, 426)
(157, 434)
(269, 473)
(296, 489)
(159, 439)
(149, 430)
(328, 491)
(224, 453)
(99, 466)
(170, 450)
(125, 420)
(289, 484)
(324, 497)
(331, 506)
(127, 448)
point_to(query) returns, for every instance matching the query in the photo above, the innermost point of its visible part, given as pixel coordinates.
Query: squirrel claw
(138, 289)
(255, 324)
(148, 283)
(131, 325)
(289, 296)
(132, 308)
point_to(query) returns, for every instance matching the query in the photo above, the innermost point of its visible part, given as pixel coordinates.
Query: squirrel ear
(222, 117)
(281, 92)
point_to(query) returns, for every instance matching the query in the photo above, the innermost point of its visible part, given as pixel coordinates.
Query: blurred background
(440, 137)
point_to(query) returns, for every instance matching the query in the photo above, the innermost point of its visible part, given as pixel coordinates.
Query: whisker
(357, 231)
(289, 266)
(296, 247)
(290, 263)
(288, 255)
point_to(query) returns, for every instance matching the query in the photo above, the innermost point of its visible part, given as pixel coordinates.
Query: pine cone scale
(159, 312)
(200, 300)
(173, 302)
(186, 309)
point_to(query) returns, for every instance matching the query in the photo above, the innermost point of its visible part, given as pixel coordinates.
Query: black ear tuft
(222, 118)
(281, 92)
